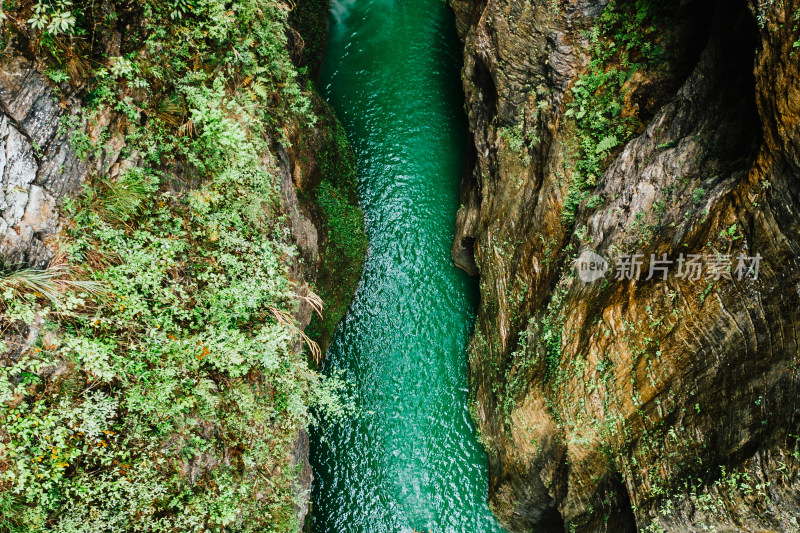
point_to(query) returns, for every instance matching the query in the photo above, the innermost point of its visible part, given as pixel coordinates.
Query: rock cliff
(622, 128)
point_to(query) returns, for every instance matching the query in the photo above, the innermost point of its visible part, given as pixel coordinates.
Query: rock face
(37, 166)
(623, 404)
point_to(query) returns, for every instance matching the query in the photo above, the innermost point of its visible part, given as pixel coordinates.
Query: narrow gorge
(230, 241)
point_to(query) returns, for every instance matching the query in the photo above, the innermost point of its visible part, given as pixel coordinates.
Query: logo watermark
(692, 267)
(591, 266)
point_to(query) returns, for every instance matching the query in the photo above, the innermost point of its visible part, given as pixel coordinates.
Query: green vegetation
(796, 20)
(343, 240)
(623, 42)
(518, 140)
(549, 328)
(309, 19)
(163, 389)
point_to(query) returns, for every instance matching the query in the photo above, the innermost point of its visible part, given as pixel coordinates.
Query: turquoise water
(411, 459)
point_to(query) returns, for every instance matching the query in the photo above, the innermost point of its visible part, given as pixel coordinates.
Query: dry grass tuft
(50, 283)
(286, 319)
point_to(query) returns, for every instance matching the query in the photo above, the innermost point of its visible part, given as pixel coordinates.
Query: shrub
(170, 399)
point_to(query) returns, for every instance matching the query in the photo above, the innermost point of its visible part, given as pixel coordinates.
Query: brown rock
(620, 405)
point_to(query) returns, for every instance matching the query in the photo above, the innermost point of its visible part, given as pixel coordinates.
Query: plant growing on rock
(623, 41)
(163, 388)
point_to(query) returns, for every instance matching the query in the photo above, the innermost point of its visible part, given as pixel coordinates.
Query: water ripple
(411, 459)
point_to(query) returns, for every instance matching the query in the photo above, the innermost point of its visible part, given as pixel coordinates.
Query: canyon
(662, 130)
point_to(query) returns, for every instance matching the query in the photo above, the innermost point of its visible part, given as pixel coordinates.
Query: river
(410, 460)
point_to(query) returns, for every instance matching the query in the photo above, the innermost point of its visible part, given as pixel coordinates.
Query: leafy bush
(54, 17)
(170, 399)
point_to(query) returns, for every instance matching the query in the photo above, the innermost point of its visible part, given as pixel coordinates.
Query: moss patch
(343, 241)
(310, 19)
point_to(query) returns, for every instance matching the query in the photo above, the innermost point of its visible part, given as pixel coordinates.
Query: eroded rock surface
(626, 405)
(37, 165)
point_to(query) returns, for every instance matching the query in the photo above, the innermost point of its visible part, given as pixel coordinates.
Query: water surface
(411, 460)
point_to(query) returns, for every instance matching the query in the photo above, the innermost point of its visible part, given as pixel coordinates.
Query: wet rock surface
(625, 405)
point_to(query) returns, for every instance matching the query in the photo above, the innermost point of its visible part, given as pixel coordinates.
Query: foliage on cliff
(343, 241)
(624, 40)
(164, 386)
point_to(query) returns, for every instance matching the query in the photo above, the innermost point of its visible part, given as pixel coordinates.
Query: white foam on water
(340, 9)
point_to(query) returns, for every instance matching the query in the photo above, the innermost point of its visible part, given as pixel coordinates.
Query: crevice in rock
(22, 131)
(485, 83)
(552, 521)
(734, 41)
(622, 518)
(691, 31)
(463, 251)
